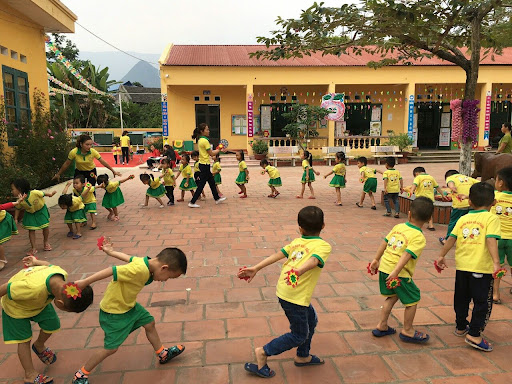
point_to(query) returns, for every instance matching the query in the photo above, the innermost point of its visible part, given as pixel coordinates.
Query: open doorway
(209, 114)
(429, 125)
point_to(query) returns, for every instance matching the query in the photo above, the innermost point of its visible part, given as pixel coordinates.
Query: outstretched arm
(124, 179)
(66, 187)
(101, 275)
(32, 261)
(308, 265)
(50, 194)
(107, 165)
(252, 271)
(108, 248)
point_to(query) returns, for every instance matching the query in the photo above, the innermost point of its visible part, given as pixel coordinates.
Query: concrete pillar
(485, 113)
(330, 124)
(249, 113)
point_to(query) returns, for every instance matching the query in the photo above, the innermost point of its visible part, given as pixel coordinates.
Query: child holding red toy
(396, 259)
(476, 258)
(306, 256)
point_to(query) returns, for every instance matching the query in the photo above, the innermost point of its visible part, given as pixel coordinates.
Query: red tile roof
(238, 56)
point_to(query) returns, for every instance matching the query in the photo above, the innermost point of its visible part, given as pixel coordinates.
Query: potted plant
(402, 141)
(260, 149)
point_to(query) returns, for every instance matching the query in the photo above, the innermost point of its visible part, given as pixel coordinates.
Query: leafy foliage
(142, 116)
(303, 121)
(260, 147)
(402, 141)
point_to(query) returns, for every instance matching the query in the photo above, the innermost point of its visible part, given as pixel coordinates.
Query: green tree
(67, 47)
(462, 32)
(303, 122)
(142, 116)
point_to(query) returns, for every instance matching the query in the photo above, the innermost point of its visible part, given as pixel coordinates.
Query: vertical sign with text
(165, 117)
(410, 124)
(250, 115)
(487, 126)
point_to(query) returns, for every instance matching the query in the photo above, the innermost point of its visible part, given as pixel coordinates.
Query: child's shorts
(117, 327)
(408, 293)
(370, 185)
(17, 331)
(505, 250)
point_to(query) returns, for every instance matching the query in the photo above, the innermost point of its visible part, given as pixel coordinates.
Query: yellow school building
(23, 25)
(222, 86)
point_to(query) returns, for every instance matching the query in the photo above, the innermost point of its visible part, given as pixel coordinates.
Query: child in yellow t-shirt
(424, 185)
(476, 259)
(113, 197)
(197, 173)
(308, 176)
(169, 181)
(338, 181)
(188, 183)
(305, 259)
(36, 215)
(27, 297)
(155, 190)
(503, 209)
(115, 149)
(369, 181)
(86, 192)
(120, 314)
(7, 227)
(396, 258)
(393, 185)
(243, 174)
(275, 177)
(75, 213)
(216, 169)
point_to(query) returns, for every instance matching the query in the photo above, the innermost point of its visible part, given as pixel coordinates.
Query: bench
(442, 210)
(381, 151)
(330, 153)
(284, 153)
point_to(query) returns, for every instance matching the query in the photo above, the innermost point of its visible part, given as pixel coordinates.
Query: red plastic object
(437, 267)
(100, 242)
(243, 277)
(393, 283)
(499, 273)
(370, 270)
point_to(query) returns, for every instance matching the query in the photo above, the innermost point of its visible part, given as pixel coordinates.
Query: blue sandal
(378, 333)
(418, 338)
(264, 372)
(47, 356)
(315, 360)
(483, 345)
(70, 234)
(40, 379)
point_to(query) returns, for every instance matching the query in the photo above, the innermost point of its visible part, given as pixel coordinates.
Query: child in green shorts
(369, 179)
(503, 209)
(397, 257)
(426, 186)
(27, 297)
(120, 314)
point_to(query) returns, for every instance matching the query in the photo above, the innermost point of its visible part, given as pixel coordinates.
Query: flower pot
(260, 156)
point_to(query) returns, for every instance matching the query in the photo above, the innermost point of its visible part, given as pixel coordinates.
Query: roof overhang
(52, 15)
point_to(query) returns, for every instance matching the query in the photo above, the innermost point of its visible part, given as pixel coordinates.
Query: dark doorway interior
(429, 124)
(500, 113)
(209, 114)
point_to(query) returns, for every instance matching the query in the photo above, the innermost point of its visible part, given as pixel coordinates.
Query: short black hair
(80, 177)
(311, 220)
(81, 303)
(263, 162)
(481, 195)
(102, 179)
(507, 125)
(175, 258)
(21, 185)
(194, 154)
(146, 177)
(418, 170)
(505, 175)
(186, 157)
(422, 209)
(66, 200)
(451, 172)
(391, 161)
(340, 155)
(363, 160)
(242, 155)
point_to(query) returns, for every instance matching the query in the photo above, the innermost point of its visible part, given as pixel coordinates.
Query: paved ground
(221, 318)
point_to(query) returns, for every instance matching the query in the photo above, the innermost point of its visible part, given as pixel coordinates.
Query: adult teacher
(505, 144)
(125, 147)
(84, 156)
(201, 134)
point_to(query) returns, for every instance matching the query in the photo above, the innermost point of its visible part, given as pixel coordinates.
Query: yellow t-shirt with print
(76, 204)
(393, 177)
(186, 172)
(84, 161)
(503, 209)
(169, 180)
(127, 281)
(339, 169)
(298, 252)
(196, 166)
(463, 185)
(33, 202)
(154, 184)
(114, 149)
(88, 198)
(204, 146)
(28, 291)
(216, 168)
(242, 166)
(112, 186)
(272, 172)
(367, 173)
(125, 141)
(404, 237)
(305, 164)
(471, 232)
(425, 185)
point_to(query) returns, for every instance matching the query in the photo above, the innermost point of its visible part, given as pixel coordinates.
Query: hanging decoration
(71, 69)
(54, 91)
(470, 121)
(66, 87)
(456, 107)
(334, 102)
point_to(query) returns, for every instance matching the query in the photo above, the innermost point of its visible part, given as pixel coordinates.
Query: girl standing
(125, 147)
(188, 183)
(113, 196)
(115, 148)
(36, 214)
(216, 173)
(86, 193)
(195, 156)
(275, 178)
(84, 156)
(75, 214)
(169, 181)
(308, 176)
(243, 176)
(7, 227)
(155, 190)
(338, 181)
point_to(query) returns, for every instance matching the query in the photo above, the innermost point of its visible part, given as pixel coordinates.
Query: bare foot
(476, 340)
(261, 357)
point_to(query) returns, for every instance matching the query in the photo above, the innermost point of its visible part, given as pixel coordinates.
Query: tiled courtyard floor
(220, 318)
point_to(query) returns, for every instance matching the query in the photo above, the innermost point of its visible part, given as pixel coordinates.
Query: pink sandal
(47, 247)
(116, 218)
(31, 252)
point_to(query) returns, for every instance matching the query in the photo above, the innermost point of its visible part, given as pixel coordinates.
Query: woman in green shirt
(505, 145)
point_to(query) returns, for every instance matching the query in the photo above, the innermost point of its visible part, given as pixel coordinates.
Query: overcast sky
(148, 26)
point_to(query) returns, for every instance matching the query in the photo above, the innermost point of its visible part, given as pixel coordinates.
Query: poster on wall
(340, 127)
(446, 120)
(376, 113)
(375, 128)
(266, 118)
(444, 137)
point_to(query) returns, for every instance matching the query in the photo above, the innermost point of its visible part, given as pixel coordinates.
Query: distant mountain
(119, 64)
(145, 74)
